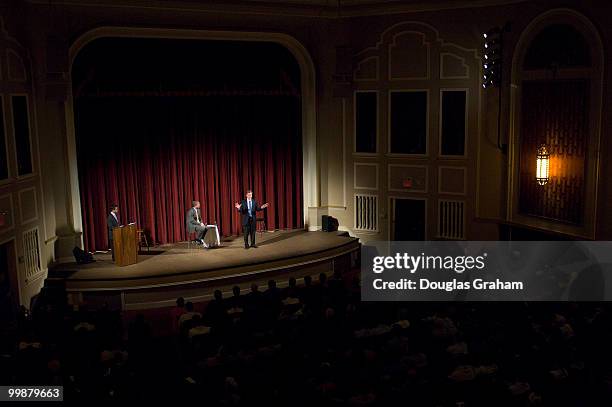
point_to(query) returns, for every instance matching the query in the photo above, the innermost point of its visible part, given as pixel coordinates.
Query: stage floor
(175, 264)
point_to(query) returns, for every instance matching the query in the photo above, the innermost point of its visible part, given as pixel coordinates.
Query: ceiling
(312, 8)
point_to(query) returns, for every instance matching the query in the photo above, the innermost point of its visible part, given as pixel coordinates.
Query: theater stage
(170, 271)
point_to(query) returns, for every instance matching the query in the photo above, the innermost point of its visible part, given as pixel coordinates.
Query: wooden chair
(191, 244)
(141, 236)
(260, 225)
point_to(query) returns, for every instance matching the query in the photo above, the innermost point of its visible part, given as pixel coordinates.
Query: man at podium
(112, 221)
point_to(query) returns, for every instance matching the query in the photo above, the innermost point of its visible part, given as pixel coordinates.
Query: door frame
(391, 212)
(14, 282)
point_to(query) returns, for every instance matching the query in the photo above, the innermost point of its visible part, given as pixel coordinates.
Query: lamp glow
(542, 165)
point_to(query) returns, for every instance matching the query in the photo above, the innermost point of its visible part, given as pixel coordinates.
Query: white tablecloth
(212, 237)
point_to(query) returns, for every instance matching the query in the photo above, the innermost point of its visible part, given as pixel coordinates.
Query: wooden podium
(125, 245)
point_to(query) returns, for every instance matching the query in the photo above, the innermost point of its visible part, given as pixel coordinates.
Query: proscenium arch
(593, 38)
(307, 79)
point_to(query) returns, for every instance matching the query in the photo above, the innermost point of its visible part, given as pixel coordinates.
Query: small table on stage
(125, 245)
(212, 239)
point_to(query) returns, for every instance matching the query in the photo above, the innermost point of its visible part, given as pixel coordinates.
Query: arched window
(557, 46)
(556, 103)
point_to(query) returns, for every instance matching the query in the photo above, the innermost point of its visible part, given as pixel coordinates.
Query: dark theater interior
(191, 193)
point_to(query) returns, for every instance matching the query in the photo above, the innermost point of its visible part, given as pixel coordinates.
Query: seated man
(195, 224)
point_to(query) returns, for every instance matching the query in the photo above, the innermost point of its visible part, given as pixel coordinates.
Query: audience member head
(180, 302)
(411, 348)
(292, 282)
(307, 281)
(254, 288)
(322, 278)
(218, 295)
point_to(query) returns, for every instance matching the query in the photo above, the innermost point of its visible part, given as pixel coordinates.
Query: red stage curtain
(154, 155)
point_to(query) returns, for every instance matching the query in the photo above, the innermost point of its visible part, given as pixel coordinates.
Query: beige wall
(47, 33)
(21, 195)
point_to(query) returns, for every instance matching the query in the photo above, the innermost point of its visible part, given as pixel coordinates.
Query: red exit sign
(407, 183)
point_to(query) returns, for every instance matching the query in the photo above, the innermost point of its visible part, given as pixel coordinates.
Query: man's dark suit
(249, 220)
(194, 218)
(111, 222)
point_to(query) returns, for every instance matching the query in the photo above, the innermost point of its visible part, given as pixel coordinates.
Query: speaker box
(329, 223)
(81, 256)
(332, 224)
(325, 223)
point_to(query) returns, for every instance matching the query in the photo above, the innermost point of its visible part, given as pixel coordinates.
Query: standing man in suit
(112, 221)
(195, 224)
(248, 208)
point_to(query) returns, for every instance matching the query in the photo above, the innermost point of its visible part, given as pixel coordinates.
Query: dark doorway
(408, 221)
(9, 295)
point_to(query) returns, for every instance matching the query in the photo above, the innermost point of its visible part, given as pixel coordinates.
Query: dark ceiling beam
(329, 9)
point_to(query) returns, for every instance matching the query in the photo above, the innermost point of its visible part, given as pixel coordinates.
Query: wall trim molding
(320, 10)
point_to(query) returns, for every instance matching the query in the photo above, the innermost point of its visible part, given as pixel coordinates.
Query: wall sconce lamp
(542, 165)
